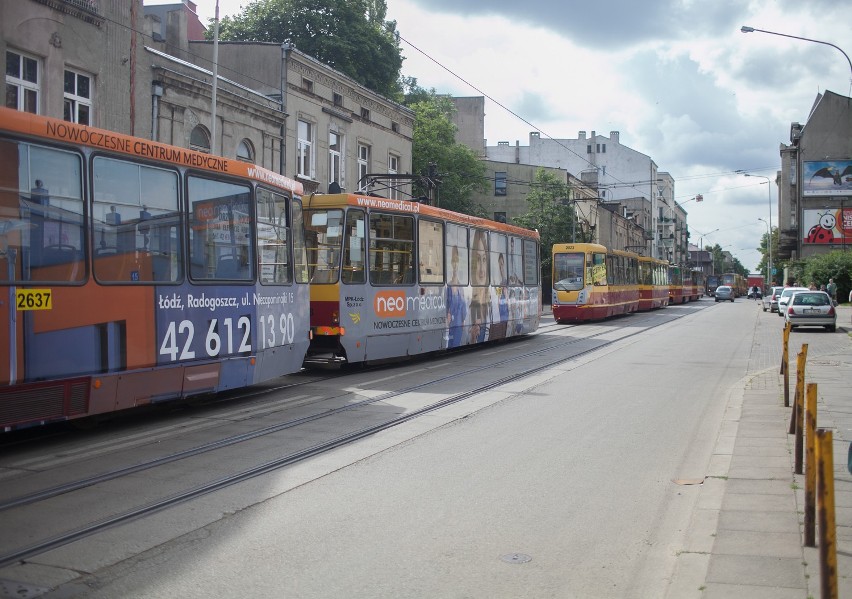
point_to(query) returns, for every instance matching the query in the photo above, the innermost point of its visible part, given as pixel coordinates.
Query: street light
(747, 29)
(769, 244)
(769, 189)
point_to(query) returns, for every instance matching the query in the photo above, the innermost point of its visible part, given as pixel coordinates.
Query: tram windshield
(568, 272)
(323, 237)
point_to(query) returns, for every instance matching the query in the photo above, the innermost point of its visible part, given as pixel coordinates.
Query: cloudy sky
(676, 78)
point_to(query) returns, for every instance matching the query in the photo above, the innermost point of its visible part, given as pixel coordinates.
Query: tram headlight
(335, 318)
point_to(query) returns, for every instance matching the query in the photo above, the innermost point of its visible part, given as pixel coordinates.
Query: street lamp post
(747, 29)
(769, 241)
(769, 280)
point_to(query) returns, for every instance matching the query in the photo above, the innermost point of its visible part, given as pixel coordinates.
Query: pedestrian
(831, 289)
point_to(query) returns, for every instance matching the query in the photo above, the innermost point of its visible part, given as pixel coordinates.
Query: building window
(308, 85)
(500, 183)
(78, 98)
(393, 169)
(199, 139)
(395, 127)
(335, 158)
(603, 148)
(337, 99)
(588, 148)
(22, 82)
(245, 151)
(500, 217)
(363, 165)
(365, 114)
(305, 150)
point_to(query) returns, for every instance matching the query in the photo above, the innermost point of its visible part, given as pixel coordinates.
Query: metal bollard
(801, 361)
(785, 366)
(825, 514)
(811, 466)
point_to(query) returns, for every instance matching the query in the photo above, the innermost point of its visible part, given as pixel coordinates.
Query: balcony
(85, 10)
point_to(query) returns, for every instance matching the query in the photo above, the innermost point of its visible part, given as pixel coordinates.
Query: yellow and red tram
(592, 282)
(653, 283)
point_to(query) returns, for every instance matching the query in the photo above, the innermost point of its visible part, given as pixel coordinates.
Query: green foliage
(350, 36)
(836, 265)
(778, 265)
(460, 172)
(548, 215)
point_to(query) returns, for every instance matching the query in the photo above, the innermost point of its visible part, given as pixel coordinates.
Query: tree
(351, 36)
(764, 250)
(434, 142)
(836, 265)
(546, 213)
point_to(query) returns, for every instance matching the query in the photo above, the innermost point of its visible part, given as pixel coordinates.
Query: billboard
(827, 178)
(827, 225)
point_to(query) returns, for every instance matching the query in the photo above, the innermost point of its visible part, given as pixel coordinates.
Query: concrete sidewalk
(746, 539)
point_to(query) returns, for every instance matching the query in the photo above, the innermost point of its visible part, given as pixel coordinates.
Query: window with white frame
(393, 169)
(23, 80)
(245, 151)
(305, 150)
(335, 158)
(78, 97)
(363, 164)
(199, 139)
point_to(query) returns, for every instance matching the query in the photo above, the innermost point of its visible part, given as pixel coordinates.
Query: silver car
(724, 293)
(811, 309)
(785, 297)
(770, 299)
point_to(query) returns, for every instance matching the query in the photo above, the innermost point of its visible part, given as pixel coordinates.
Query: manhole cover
(516, 558)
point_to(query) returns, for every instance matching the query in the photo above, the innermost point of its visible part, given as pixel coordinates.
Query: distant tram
(653, 283)
(137, 272)
(392, 279)
(591, 282)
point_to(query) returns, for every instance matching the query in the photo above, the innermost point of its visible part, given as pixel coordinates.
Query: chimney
(613, 136)
(581, 135)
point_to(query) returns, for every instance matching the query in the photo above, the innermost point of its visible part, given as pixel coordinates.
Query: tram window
(300, 252)
(323, 238)
(516, 262)
(568, 271)
(599, 274)
(135, 223)
(531, 267)
(391, 249)
(220, 243)
(273, 232)
(457, 254)
(499, 250)
(430, 244)
(355, 247)
(479, 259)
(41, 214)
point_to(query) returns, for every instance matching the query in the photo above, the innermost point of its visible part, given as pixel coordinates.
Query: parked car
(724, 293)
(785, 297)
(770, 300)
(811, 309)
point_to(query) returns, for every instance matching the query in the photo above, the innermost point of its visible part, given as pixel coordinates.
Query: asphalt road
(575, 483)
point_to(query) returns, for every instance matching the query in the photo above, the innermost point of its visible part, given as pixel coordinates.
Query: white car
(811, 309)
(785, 297)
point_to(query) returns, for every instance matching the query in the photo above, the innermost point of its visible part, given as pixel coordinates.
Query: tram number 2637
(226, 337)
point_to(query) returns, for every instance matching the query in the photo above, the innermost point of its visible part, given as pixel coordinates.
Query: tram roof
(405, 207)
(49, 128)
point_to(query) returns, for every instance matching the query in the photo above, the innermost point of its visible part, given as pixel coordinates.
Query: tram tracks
(46, 541)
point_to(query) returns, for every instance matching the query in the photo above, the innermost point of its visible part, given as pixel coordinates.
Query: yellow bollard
(800, 388)
(785, 364)
(810, 466)
(825, 514)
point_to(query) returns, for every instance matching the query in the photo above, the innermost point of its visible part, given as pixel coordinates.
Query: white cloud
(676, 78)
